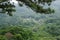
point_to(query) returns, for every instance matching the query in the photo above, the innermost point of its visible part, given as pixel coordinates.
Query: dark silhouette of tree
(35, 5)
(7, 7)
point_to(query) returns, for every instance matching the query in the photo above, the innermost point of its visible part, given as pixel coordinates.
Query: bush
(18, 33)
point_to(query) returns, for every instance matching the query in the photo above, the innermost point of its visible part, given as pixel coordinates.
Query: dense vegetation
(15, 33)
(49, 30)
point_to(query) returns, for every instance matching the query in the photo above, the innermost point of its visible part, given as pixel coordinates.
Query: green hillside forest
(29, 20)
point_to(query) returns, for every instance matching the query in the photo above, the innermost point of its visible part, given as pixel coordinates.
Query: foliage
(53, 26)
(8, 7)
(35, 5)
(18, 33)
(50, 30)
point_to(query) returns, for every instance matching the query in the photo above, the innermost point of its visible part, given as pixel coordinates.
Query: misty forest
(29, 20)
